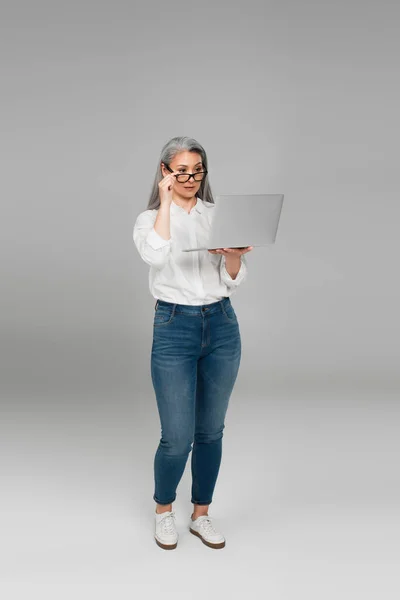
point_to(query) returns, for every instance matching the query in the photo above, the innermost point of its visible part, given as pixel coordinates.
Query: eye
(182, 170)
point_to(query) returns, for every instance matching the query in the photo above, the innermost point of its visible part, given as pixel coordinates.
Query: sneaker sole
(209, 544)
(166, 546)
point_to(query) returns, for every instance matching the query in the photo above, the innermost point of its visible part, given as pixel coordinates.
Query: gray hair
(171, 148)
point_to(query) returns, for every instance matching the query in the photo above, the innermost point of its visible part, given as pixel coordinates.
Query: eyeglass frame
(190, 174)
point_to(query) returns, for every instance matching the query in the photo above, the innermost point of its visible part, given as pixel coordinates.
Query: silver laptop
(244, 220)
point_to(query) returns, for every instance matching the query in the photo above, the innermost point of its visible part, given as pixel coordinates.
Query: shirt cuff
(240, 275)
(156, 241)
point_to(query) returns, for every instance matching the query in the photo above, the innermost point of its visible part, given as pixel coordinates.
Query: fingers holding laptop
(231, 251)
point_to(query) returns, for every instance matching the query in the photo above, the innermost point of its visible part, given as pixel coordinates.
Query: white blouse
(184, 277)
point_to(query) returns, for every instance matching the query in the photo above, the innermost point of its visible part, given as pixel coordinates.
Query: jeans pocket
(229, 312)
(163, 316)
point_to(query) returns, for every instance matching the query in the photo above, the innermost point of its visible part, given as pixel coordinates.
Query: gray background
(299, 98)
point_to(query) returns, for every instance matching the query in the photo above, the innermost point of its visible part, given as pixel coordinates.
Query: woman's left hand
(231, 251)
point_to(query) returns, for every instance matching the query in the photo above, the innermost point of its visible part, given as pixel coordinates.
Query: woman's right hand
(165, 188)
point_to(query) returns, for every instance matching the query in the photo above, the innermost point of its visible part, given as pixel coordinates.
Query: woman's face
(185, 162)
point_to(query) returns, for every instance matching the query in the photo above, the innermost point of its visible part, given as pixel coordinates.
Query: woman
(196, 339)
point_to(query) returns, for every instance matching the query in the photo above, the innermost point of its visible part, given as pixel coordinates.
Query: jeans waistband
(194, 309)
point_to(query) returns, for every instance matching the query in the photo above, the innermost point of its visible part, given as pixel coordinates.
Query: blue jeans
(195, 360)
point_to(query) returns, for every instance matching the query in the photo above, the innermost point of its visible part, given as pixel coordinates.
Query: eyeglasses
(184, 177)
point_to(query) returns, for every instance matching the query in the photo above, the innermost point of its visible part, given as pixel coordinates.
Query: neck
(186, 203)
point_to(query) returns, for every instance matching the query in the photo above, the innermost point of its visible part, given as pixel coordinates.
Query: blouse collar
(175, 208)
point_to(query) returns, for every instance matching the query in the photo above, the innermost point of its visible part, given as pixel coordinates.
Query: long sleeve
(240, 277)
(153, 249)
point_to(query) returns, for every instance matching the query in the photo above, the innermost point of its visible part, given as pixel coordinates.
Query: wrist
(232, 260)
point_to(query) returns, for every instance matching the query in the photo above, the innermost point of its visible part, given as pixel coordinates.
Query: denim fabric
(195, 360)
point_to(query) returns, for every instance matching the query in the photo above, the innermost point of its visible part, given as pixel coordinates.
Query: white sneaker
(165, 533)
(205, 530)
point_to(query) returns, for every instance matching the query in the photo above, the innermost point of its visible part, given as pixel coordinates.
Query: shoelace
(207, 525)
(167, 523)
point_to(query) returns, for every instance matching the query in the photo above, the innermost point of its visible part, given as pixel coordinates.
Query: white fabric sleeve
(240, 277)
(153, 249)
